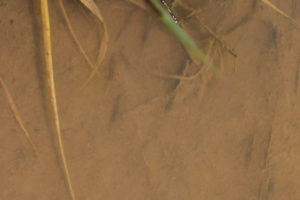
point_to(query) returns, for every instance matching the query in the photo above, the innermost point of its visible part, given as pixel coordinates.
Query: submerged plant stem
(50, 80)
(70, 27)
(179, 33)
(93, 8)
(14, 109)
(271, 5)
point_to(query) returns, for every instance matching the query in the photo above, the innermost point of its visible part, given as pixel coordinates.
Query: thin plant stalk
(271, 5)
(93, 8)
(70, 27)
(179, 33)
(50, 79)
(14, 109)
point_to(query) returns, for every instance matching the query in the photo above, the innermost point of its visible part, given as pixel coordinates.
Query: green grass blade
(179, 33)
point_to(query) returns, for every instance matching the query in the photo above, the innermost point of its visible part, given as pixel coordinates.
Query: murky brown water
(134, 135)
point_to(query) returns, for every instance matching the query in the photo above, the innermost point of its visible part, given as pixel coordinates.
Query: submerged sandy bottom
(134, 135)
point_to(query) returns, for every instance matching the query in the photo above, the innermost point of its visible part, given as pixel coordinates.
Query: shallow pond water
(132, 134)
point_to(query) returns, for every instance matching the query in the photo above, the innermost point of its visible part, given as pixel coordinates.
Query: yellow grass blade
(93, 8)
(70, 27)
(50, 78)
(271, 5)
(14, 109)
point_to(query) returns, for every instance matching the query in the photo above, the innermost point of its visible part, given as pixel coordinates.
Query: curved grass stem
(50, 80)
(14, 109)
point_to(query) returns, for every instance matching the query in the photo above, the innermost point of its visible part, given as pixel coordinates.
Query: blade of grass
(14, 109)
(271, 5)
(191, 77)
(50, 79)
(179, 33)
(93, 8)
(70, 27)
